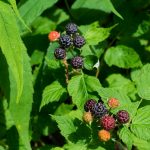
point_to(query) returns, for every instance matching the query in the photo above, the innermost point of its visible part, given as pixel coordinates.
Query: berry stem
(66, 70)
(97, 72)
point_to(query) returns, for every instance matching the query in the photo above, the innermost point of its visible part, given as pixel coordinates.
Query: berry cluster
(68, 41)
(106, 120)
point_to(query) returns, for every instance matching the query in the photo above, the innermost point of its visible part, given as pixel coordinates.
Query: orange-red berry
(104, 135)
(113, 103)
(53, 35)
(87, 117)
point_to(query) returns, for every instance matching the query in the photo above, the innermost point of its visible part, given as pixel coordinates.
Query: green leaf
(90, 61)
(66, 124)
(43, 25)
(107, 93)
(75, 146)
(14, 6)
(122, 56)
(104, 5)
(36, 57)
(141, 123)
(140, 144)
(96, 50)
(79, 87)
(142, 80)
(72, 127)
(142, 28)
(95, 34)
(50, 59)
(125, 102)
(34, 8)
(120, 82)
(52, 92)
(11, 45)
(20, 112)
(63, 109)
(55, 148)
(126, 136)
(6, 121)
(20, 93)
(2, 148)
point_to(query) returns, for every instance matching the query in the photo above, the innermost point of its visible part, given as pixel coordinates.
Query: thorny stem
(66, 70)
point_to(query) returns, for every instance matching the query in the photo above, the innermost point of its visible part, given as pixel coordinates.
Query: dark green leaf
(104, 5)
(90, 61)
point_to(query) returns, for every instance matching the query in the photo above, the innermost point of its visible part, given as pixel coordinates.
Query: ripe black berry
(71, 28)
(88, 106)
(123, 116)
(77, 62)
(107, 122)
(99, 110)
(78, 41)
(65, 41)
(60, 53)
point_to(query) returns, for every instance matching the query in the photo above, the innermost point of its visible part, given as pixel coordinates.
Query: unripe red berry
(53, 36)
(107, 122)
(104, 135)
(87, 117)
(113, 103)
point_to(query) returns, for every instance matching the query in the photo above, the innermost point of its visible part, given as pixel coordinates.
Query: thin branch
(66, 70)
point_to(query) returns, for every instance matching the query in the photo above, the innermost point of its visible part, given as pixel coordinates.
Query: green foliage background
(38, 110)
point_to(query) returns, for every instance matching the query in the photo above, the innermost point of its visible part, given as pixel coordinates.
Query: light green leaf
(75, 146)
(2, 148)
(123, 57)
(52, 92)
(120, 82)
(33, 8)
(126, 136)
(140, 144)
(14, 6)
(79, 86)
(104, 5)
(107, 93)
(95, 34)
(11, 45)
(20, 112)
(125, 102)
(142, 80)
(141, 123)
(18, 89)
(56, 148)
